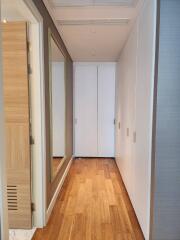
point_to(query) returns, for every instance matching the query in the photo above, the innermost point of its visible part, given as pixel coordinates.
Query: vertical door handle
(119, 125)
(127, 132)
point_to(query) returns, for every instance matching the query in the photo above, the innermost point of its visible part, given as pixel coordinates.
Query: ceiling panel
(95, 30)
(94, 43)
(73, 3)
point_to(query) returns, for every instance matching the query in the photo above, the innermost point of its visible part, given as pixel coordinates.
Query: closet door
(86, 110)
(143, 120)
(16, 101)
(106, 110)
(118, 119)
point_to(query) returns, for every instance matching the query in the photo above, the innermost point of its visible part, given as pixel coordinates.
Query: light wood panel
(93, 205)
(16, 99)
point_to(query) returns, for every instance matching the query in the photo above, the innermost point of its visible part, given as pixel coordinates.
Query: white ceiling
(95, 30)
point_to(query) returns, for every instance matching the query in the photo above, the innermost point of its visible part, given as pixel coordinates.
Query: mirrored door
(57, 106)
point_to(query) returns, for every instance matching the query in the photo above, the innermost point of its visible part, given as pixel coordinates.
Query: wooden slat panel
(15, 72)
(16, 98)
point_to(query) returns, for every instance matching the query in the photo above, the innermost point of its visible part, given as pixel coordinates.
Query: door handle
(127, 132)
(134, 137)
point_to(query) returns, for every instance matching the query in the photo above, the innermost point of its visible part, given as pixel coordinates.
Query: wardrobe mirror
(57, 103)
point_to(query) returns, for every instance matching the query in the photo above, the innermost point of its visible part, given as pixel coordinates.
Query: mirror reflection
(57, 88)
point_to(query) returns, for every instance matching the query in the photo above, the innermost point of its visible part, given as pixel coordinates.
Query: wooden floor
(93, 205)
(55, 164)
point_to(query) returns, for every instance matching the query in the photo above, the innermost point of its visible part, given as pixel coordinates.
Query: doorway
(23, 92)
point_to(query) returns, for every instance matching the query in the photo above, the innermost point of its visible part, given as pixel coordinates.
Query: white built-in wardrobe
(134, 112)
(94, 109)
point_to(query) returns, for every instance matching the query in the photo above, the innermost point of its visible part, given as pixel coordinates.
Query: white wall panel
(144, 106)
(106, 109)
(126, 106)
(134, 111)
(86, 128)
(117, 114)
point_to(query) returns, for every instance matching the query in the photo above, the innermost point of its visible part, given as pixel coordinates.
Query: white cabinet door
(86, 111)
(143, 121)
(118, 118)
(106, 110)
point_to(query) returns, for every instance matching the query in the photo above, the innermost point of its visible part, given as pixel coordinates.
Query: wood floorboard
(92, 205)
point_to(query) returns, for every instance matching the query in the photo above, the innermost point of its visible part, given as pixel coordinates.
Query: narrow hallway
(93, 205)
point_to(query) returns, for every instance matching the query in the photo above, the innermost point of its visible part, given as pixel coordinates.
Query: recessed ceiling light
(94, 21)
(85, 3)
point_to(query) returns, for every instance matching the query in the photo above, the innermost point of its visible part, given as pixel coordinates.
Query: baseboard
(53, 201)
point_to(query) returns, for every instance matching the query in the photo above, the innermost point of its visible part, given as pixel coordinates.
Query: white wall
(58, 109)
(37, 107)
(134, 101)
(3, 198)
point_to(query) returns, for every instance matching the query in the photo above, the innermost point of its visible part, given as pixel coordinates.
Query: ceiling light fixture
(74, 22)
(87, 3)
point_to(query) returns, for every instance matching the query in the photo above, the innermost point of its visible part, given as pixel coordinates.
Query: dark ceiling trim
(48, 19)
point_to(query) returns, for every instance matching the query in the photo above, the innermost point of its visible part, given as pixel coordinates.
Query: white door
(106, 110)
(86, 128)
(117, 117)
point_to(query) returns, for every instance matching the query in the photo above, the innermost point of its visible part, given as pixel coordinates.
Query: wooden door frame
(38, 162)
